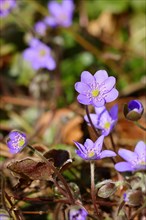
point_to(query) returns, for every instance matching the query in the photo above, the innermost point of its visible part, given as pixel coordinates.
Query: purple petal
(112, 95)
(80, 147)
(108, 84)
(28, 54)
(135, 105)
(87, 78)
(99, 110)
(50, 21)
(114, 112)
(107, 153)
(98, 103)
(124, 166)
(50, 64)
(93, 119)
(82, 88)
(88, 144)
(100, 76)
(140, 149)
(68, 6)
(83, 99)
(127, 155)
(80, 154)
(98, 144)
(55, 8)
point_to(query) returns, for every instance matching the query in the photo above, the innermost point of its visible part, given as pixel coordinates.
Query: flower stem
(139, 125)
(93, 193)
(72, 201)
(89, 118)
(112, 141)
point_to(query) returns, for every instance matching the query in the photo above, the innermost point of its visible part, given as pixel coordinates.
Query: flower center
(107, 125)
(42, 52)
(21, 142)
(91, 154)
(95, 92)
(5, 5)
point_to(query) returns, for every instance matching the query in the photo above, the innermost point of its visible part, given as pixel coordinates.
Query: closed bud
(133, 197)
(133, 110)
(4, 215)
(107, 189)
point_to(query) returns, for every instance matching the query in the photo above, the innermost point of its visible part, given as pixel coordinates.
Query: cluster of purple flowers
(97, 90)
(93, 90)
(39, 54)
(60, 15)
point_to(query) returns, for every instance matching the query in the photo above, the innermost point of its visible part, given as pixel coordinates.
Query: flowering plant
(92, 162)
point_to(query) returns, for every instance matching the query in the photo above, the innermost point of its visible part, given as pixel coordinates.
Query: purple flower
(77, 213)
(134, 160)
(6, 6)
(133, 110)
(104, 120)
(96, 90)
(60, 13)
(39, 55)
(93, 151)
(40, 28)
(16, 141)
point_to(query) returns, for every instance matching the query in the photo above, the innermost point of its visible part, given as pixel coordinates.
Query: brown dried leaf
(59, 157)
(28, 168)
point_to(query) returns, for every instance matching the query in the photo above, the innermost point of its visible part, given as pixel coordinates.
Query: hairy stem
(112, 141)
(72, 201)
(88, 115)
(93, 193)
(140, 126)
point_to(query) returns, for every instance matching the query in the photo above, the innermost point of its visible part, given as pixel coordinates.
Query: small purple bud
(4, 215)
(133, 110)
(133, 197)
(77, 213)
(16, 141)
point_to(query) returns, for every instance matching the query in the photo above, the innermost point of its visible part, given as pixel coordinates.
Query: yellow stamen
(91, 154)
(107, 125)
(5, 6)
(95, 92)
(21, 143)
(42, 52)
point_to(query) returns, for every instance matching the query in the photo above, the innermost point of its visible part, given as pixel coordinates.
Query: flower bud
(133, 110)
(133, 197)
(77, 213)
(16, 141)
(4, 215)
(107, 190)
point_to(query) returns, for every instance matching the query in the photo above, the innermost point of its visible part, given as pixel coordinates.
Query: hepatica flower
(60, 13)
(39, 55)
(96, 89)
(133, 110)
(93, 151)
(16, 141)
(77, 213)
(134, 160)
(104, 120)
(6, 6)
